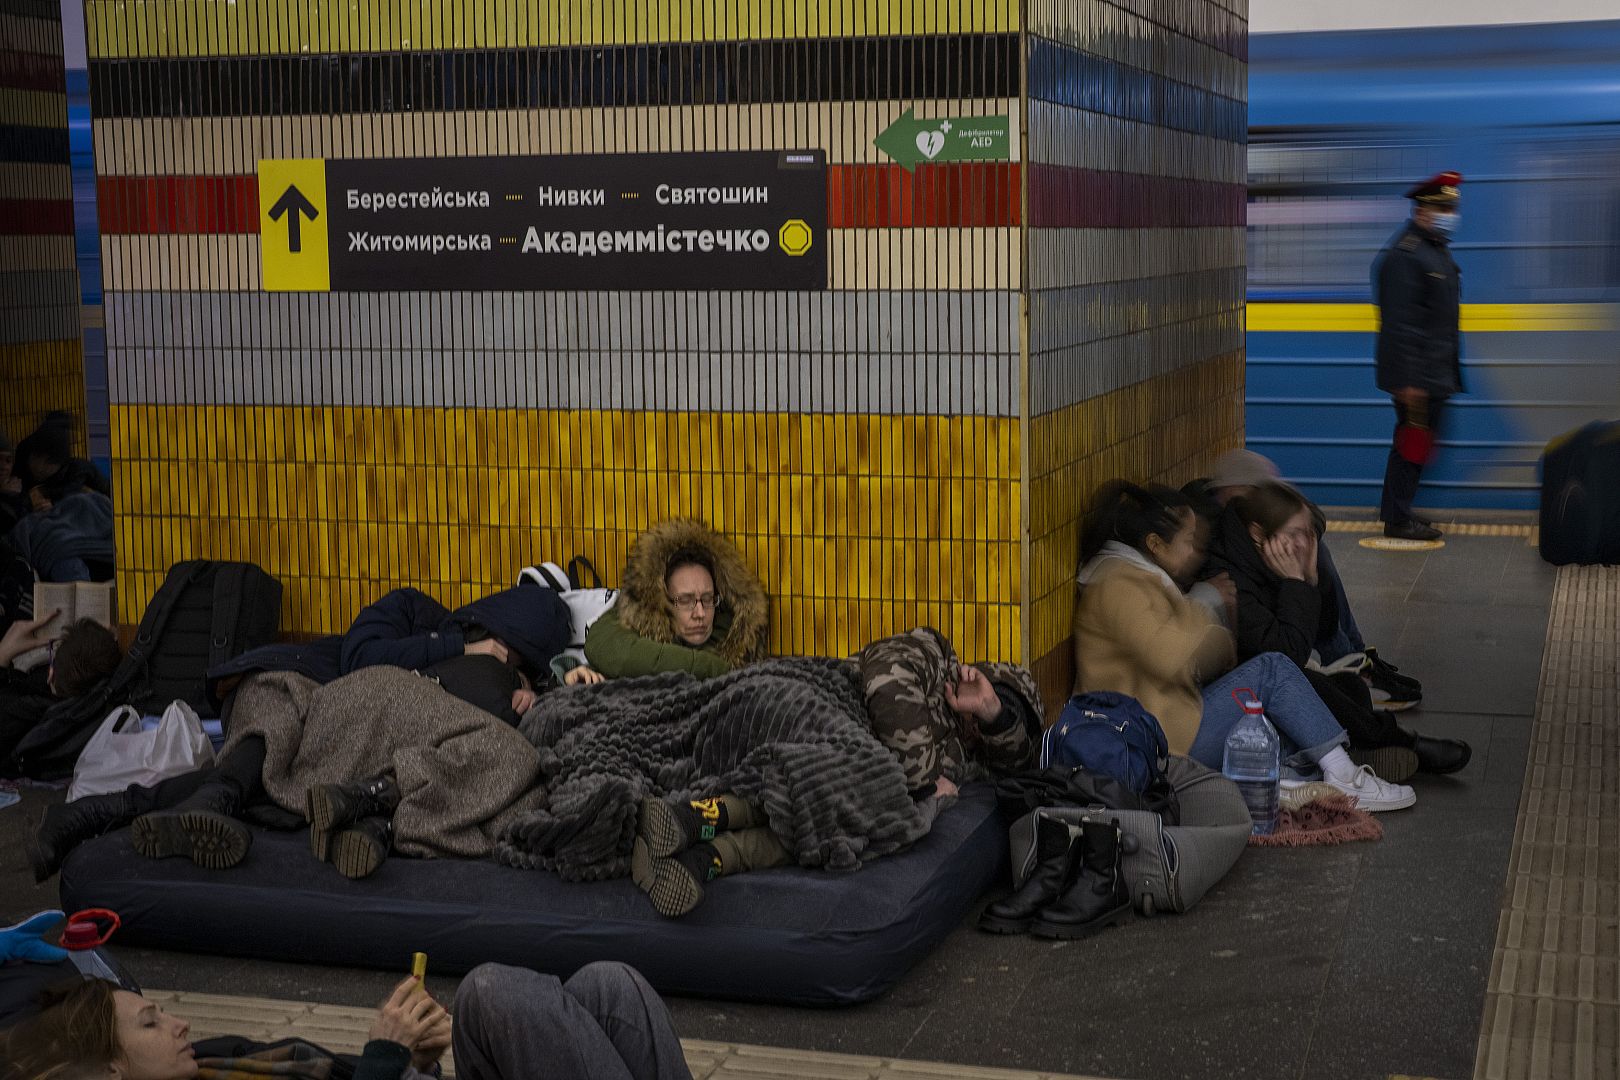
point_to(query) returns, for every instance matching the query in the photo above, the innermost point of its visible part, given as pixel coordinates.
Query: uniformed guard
(1418, 289)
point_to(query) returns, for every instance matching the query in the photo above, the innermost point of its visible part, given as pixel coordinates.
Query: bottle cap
(88, 929)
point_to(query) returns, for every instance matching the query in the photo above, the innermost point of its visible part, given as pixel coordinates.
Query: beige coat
(1133, 637)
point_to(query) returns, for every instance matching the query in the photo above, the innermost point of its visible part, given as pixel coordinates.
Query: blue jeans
(1346, 637)
(1307, 728)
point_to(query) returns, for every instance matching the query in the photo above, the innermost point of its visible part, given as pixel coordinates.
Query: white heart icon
(930, 143)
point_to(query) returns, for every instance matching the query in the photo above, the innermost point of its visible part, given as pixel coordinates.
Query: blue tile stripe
(1067, 76)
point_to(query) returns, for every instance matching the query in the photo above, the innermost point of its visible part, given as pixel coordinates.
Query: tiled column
(865, 445)
(41, 364)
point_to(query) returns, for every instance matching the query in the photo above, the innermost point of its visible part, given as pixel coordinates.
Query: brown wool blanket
(463, 774)
(792, 736)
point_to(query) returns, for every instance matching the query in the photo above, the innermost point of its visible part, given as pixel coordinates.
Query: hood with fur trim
(644, 607)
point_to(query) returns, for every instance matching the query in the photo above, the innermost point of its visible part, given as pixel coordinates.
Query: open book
(75, 600)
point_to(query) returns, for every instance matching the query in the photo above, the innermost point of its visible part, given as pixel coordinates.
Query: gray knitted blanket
(791, 736)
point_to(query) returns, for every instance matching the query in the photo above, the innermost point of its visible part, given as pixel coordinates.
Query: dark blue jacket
(1418, 289)
(409, 629)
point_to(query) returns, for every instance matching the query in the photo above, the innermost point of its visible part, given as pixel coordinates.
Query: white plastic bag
(120, 753)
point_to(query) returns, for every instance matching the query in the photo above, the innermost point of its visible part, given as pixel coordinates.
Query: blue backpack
(1111, 734)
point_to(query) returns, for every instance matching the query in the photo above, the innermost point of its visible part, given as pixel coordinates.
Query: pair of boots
(352, 825)
(680, 847)
(204, 827)
(1076, 889)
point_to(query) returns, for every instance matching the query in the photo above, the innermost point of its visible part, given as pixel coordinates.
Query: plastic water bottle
(86, 932)
(1253, 762)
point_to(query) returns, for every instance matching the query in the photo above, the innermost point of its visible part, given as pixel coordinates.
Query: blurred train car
(1340, 123)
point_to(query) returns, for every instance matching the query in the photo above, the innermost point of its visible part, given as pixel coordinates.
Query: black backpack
(203, 614)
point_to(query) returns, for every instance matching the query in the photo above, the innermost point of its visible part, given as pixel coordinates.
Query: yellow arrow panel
(293, 225)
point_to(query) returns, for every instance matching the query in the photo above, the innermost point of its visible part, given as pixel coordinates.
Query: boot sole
(992, 925)
(671, 888)
(1063, 932)
(212, 841)
(322, 817)
(357, 854)
(657, 826)
(1397, 764)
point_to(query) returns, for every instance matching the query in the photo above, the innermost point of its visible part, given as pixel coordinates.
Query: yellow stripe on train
(1476, 318)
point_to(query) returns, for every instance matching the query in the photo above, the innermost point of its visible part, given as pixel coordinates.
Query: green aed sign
(913, 142)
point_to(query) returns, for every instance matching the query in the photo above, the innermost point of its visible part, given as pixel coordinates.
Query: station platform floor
(1479, 938)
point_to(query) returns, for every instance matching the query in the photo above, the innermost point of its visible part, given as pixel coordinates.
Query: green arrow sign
(913, 142)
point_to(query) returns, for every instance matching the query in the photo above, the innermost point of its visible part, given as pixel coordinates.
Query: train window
(1320, 209)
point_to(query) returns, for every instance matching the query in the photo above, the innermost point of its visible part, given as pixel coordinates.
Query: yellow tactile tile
(1552, 1007)
(343, 1029)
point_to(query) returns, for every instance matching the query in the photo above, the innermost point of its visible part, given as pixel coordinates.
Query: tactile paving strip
(342, 1029)
(1552, 1006)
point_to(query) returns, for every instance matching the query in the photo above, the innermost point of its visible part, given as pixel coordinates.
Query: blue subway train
(1340, 124)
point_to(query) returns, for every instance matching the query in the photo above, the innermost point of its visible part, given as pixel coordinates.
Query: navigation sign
(728, 220)
(293, 225)
(912, 142)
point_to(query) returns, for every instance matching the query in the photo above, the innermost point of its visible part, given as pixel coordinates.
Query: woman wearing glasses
(688, 604)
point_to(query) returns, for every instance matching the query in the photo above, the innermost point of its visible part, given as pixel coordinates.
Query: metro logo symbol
(795, 237)
(293, 225)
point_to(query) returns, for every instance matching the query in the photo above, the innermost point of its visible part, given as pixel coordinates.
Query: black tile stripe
(847, 69)
(33, 145)
(34, 9)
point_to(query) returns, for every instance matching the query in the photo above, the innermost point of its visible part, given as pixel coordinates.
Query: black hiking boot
(68, 825)
(1054, 848)
(1096, 896)
(331, 808)
(359, 850)
(204, 828)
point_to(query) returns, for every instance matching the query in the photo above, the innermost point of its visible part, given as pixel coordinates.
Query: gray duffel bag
(1168, 867)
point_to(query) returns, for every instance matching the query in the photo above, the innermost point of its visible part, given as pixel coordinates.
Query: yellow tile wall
(37, 377)
(1165, 430)
(859, 525)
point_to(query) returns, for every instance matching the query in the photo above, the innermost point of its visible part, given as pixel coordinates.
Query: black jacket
(409, 629)
(1275, 614)
(1418, 289)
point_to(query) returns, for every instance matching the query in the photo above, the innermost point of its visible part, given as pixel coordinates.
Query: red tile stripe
(1065, 197)
(178, 204)
(858, 197)
(935, 196)
(31, 71)
(36, 217)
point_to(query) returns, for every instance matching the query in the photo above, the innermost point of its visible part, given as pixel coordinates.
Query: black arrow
(292, 204)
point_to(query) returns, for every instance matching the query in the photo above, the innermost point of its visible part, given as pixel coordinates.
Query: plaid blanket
(295, 1059)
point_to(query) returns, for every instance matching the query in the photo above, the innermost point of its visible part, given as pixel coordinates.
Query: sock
(701, 819)
(702, 861)
(1336, 765)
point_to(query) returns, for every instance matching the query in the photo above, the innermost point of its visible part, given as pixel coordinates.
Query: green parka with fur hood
(637, 635)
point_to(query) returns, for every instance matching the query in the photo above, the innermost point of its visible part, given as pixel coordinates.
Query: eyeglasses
(687, 602)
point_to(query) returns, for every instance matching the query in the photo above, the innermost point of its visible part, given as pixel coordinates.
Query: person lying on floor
(1137, 633)
(1266, 543)
(689, 603)
(523, 628)
(1238, 472)
(604, 1023)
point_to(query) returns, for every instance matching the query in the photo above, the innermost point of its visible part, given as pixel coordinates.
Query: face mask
(1445, 224)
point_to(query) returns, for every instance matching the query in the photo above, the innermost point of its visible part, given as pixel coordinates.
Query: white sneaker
(1374, 795)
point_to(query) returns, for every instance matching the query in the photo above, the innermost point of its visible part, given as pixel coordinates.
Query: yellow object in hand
(419, 966)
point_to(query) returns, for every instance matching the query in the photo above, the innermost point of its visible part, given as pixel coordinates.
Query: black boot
(1096, 895)
(1439, 756)
(334, 807)
(204, 827)
(1054, 847)
(359, 849)
(68, 825)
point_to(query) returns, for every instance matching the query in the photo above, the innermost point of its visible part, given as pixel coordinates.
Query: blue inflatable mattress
(790, 935)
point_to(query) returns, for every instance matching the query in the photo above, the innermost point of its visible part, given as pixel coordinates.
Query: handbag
(122, 753)
(586, 604)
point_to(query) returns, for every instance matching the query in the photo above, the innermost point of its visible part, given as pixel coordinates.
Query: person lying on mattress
(522, 628)
(604, 1023)
(689, 603)
(480, 655)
